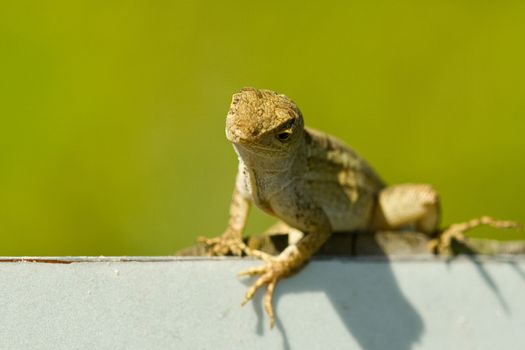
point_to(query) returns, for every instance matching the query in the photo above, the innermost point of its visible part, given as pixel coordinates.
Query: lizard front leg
(288, 262)
(231, 239)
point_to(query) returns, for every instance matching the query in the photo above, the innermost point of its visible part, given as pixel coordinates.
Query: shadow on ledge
(373, 326)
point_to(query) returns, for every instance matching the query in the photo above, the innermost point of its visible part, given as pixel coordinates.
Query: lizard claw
(442, 244)
(223, 245)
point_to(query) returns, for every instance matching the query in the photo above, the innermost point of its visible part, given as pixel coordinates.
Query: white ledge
(193, 303)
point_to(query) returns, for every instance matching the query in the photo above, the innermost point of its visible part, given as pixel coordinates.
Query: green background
(112, 112)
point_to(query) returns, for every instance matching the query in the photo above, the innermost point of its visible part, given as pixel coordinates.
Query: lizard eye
(283, 136)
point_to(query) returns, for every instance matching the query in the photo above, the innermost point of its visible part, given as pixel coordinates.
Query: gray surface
(170, 303)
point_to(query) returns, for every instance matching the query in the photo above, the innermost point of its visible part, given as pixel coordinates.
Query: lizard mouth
(232, 136)
(249, 151)
(236, 140)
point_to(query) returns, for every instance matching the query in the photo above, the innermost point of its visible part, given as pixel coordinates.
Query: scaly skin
(314, 183)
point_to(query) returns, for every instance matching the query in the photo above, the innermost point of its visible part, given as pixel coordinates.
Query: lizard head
(264, 121)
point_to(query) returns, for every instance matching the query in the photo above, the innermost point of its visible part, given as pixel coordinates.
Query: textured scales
(315, 184)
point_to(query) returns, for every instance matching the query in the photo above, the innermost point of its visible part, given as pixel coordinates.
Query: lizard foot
(270, 273)
(441, 244)
(223, 245)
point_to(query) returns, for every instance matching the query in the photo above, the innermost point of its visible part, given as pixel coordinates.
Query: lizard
(315, 184)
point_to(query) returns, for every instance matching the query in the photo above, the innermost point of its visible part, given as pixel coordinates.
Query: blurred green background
(112, 112)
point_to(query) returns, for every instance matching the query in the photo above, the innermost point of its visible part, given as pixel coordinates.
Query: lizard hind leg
(442, 243)
(414, 206)
(417, 206)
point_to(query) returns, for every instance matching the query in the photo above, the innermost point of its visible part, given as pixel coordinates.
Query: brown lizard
(314, 184)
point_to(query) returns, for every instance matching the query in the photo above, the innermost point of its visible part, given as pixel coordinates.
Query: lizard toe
(220, 246)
